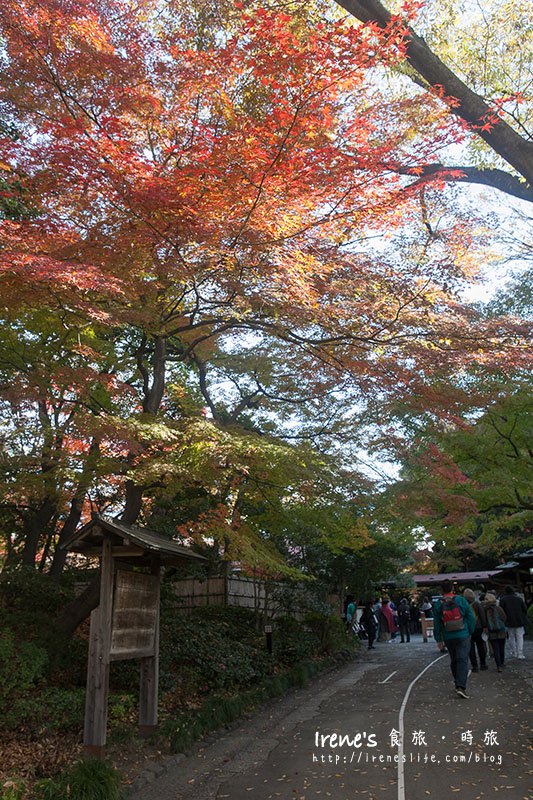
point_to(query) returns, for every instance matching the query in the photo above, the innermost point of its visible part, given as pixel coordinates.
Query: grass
(87, 780)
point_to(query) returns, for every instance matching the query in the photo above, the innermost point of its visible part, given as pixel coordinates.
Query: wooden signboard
(125, 625)
(135, 614)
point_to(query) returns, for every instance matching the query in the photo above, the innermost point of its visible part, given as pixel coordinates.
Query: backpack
(451, 615)
(493, 620)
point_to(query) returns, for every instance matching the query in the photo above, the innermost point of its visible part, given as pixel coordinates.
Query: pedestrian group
(470, 629)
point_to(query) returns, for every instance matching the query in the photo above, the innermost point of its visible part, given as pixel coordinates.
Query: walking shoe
(499, 669)
(521, 656)
(475, 669)
(462, 692)
(483, 666)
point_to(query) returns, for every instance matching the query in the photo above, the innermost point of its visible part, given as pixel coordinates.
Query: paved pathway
(448, 747)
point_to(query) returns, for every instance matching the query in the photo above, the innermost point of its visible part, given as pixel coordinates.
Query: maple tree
(191, 191)
(465, 481)
(468, 485)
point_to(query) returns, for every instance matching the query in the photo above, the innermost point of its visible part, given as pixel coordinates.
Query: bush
(25, 592)
(292, 642)
(87, 780)
(232, 621)
(328, 629)
(31, 601)
(219, 711)
(22, 666)
(63, 709)
(205, 654)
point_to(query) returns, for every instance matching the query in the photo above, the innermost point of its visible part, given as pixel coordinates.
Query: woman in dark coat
(404, 617)
(497, 630)
(369, 623)
(477, 642)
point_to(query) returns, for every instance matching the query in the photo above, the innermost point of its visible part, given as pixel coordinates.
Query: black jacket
(515, 610)
(479, 613)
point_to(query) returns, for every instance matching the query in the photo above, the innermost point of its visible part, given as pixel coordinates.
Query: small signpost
(126, 623)
(268, 632)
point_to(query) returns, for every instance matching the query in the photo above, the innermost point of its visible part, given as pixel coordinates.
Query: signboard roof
(134, 542)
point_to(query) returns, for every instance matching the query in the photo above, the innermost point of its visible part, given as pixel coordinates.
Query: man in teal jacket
(454, 633)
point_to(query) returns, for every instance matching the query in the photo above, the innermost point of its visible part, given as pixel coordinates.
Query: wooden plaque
(135, 615)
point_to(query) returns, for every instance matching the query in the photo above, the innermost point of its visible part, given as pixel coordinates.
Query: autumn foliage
(190, 186)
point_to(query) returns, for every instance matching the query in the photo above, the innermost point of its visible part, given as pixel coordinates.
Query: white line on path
(401, 776)
(390, 676)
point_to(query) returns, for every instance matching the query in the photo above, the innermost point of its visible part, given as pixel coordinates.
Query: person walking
(477, 641)
(454, 623)
(416, 627)
(369, 623)
(350, 614)
(386, 621)
(516, 613)
(404, 617)
(426, 608)
(497, 631)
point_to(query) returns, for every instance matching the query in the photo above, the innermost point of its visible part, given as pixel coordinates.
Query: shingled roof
(130, 542)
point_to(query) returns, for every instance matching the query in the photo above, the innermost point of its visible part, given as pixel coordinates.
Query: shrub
(208, 646)
(237, 623)
(292, 642)
(27, 592)
(87, 780)
(22, 665)
(218, 711)
(31, 601)
(63, 709)
(328, 629)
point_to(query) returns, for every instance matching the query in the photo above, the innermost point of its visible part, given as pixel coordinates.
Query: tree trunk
(70, 525)
(35, 526)
(80, 608)
(76, 507)
(134, 498)
(151, 404)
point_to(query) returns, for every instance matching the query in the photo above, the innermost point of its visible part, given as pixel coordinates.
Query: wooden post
(149, 683)
(94, 738)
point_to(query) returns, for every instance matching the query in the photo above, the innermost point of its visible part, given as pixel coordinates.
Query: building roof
(482, 575)
(131, 542)
(526, 556)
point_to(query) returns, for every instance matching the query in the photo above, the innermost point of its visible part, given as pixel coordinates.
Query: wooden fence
(236, 590)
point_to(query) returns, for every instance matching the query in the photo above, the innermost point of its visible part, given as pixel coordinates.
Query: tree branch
(202, 377)
(480, 117)
(496, 178)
